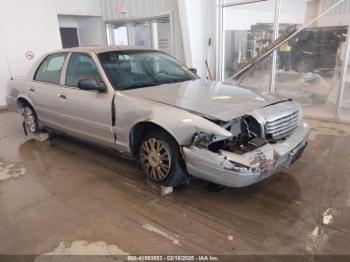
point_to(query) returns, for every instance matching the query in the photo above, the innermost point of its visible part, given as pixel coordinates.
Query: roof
(102, 49)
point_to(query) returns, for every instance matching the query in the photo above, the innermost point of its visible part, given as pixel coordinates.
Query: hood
(213, 99)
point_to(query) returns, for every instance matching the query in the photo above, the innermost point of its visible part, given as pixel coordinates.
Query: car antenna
(7, 59)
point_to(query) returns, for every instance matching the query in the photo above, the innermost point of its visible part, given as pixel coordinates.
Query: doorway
(69, 37)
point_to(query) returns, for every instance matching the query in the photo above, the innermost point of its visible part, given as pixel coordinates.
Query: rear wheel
(30, 120)
(161, 160)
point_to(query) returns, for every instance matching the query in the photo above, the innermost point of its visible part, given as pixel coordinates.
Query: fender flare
(27, 98)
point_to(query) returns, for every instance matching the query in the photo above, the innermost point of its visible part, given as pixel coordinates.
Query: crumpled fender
(181, 124)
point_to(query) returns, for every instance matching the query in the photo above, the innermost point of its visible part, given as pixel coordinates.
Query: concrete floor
(64, 196)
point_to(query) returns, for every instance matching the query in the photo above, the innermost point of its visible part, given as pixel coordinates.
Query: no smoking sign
(29, 55)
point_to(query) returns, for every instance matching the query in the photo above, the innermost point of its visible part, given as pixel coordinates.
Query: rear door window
(50, 69)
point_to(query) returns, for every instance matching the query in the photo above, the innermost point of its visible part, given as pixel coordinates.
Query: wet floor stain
(328, 216)
(11, 171)
(161, 233)
(322, 129)
(75, 191)
(100, 249)
(83, 247)
(316, 240)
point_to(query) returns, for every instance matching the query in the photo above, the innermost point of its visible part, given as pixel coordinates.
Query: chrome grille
(282, 127)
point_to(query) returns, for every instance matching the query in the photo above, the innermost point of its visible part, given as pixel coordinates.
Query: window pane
(311, 62)
(50, 69)
(162, 35)
(248, 29)
(121, 35)
(81, 66)
(142, 35)
(259, 76)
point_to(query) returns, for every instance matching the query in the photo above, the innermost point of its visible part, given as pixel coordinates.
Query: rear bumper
(233, 170)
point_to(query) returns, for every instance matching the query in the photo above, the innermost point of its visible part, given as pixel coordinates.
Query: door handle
(32, 90)
(61, 96)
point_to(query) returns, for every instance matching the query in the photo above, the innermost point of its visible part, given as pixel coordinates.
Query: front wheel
(30, 120)
(304, 65)
(161, 160)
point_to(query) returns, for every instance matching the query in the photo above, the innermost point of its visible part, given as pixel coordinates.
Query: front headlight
(209, 141)
(203, 140)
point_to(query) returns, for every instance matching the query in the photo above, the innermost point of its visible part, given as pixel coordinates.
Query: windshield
(137, 69)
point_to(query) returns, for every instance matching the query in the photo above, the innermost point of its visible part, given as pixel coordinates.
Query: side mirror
(193, 70)
(90, 84)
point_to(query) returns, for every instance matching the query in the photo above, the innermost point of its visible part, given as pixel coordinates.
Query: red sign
(29, 55)
(121, 8)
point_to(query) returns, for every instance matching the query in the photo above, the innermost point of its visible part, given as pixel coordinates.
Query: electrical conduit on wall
(5, 70)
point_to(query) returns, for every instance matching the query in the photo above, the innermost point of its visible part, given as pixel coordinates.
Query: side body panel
(46, 102)
(84, 114)
(15, 89)
(182, 125)
(87, 114)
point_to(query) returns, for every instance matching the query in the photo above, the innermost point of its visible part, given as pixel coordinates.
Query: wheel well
(139, 131)
(22, 103)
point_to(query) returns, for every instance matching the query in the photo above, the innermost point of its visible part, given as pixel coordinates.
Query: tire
(30, 120)
(161, 159)
(304, 65)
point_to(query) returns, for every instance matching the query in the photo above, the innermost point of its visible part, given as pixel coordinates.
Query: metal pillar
(275, 36)
(220, 43)
(343, 76)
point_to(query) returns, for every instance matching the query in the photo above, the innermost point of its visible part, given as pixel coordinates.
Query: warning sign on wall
(29, 55)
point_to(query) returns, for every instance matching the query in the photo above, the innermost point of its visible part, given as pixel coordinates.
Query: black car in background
(316, 48)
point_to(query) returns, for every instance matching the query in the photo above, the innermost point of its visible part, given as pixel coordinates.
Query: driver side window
(81, 66)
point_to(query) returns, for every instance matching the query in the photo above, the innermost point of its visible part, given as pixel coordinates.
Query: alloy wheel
(155, 159)
(29, 120)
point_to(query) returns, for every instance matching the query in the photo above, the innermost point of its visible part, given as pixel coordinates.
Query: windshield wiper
(141, 85)
(178, 80)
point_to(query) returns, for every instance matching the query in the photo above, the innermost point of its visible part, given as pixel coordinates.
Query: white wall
(67, 21)
(198, 23)
(294, 12)
(76, 7)
(33, 25)
(21, 30)
(4, 74)
(340, 16)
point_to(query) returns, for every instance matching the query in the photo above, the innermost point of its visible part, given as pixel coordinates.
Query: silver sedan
(150, 107)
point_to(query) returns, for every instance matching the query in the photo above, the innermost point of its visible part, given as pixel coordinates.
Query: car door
(86, 114)
(44, 88)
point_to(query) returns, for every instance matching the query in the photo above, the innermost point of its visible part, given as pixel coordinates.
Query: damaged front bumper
(234, 170)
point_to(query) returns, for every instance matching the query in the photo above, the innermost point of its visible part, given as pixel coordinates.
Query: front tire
(161, 159)
(30, 120)
(304, 65)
